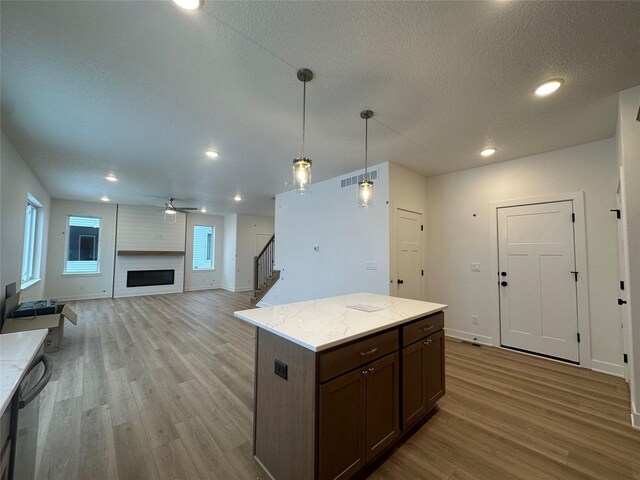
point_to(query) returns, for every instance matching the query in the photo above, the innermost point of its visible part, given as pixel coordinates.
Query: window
(29, 252)
(83, 245)
(203, 247)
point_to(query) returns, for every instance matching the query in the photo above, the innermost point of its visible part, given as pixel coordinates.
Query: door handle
(503, 283)
(622, 302)
(400, 282)
(26, 397)
(369, 352)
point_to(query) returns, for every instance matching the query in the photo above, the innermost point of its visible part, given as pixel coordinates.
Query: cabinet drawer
(422, 328)
(348, 357)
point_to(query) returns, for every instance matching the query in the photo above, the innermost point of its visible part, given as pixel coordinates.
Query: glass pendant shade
(301, 175)
(365, 193)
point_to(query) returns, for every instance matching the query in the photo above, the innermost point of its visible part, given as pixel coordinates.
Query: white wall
(248, 227)
(146, 229)
(347, 237)
(457, 238)
(628, 141)
(79, 286)
(16, 181)
(204, 279)
(229, 252)
(407, 191)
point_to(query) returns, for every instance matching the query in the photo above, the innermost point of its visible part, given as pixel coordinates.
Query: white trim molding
(90, 296)
(469, 337)
(199, 288)
(606, 367)
(635, 417)
(584, 320)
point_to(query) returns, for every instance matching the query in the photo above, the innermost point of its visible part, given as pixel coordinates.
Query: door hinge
(621, 285)
(422, 228)
(578, 335)
(625, 358)
(617, 210)
(573, 217)
(422, 272)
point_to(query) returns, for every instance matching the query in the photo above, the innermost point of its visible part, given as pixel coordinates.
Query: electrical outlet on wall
(475, 267)
(475, 319)
(371, 265)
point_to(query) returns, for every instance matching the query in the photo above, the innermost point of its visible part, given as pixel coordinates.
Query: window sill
(29, 283)
(82, 274)
(203, 270)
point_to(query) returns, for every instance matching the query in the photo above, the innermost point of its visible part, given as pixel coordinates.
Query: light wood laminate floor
(162, 387)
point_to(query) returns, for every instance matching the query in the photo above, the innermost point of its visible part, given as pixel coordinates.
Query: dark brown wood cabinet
(422, 377)
(341, 441)
(359, 417)
(434, 368)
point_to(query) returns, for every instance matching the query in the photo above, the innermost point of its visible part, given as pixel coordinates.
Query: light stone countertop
(17, 351)
(328, 322)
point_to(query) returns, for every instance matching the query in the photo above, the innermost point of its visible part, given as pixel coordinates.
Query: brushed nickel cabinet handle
(364, 372)
(371, 370)
(428, 327)
(369, 352)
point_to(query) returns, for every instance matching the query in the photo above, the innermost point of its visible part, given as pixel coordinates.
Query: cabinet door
(414, 385)
(434, 368)
(382, 410)
(341, 448)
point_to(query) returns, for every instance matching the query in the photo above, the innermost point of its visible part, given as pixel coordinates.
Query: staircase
(264, 276)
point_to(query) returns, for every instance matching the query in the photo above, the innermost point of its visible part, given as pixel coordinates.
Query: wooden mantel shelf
(156, 253)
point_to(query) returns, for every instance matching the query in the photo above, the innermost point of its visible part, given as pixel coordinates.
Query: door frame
(624, 254)
(580, 238)
(393, 252)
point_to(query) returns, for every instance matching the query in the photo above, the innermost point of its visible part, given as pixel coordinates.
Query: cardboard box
(53, 322)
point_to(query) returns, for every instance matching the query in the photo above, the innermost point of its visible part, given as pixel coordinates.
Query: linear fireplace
(149, 278)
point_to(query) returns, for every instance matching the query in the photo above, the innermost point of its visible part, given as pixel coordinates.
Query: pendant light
(302, 165)
(365, 188)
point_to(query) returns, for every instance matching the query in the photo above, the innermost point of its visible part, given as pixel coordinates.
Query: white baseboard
(206, 287)
(635, 417)
(235, 290)
(470, 337)
(262, 304)
(90, 296)
(608, 368)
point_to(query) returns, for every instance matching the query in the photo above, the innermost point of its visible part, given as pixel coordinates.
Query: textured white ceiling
(144, 88)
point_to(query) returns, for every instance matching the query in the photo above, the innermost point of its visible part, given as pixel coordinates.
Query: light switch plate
(475, 267)
(372, 266)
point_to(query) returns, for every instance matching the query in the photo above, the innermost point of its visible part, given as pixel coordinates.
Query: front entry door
(538, 295)
(409, 255)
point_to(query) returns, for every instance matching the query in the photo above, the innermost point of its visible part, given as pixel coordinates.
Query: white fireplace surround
(144, 229)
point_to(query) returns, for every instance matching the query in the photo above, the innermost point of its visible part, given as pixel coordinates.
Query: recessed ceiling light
(188, 4)
(237, 198)
(212, 154)
(487, 152)
(549, 87)
(111, 177)
(203, 210)
(105, 198)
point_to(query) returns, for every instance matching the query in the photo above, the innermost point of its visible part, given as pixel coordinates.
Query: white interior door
(409, 254)
(538, 295)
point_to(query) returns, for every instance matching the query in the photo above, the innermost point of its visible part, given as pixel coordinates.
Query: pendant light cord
(304, 110)
(366, 145)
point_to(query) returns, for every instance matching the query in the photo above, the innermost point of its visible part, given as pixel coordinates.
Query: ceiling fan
(170, 209)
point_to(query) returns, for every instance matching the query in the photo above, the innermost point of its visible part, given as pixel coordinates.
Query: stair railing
(263, 264)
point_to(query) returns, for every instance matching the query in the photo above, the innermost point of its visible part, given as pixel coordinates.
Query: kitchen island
(338, 381)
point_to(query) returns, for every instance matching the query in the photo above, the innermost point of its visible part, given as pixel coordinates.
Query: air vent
(347, 182)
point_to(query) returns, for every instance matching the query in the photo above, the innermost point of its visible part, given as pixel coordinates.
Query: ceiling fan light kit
(365, 188)
(302, 164)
